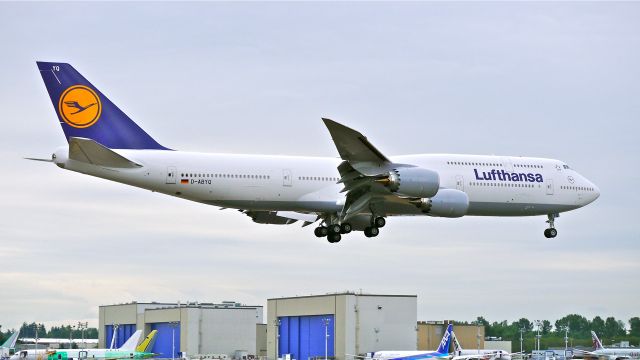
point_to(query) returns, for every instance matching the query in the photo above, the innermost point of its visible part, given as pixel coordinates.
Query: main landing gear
(374, 229)
(334, 231)
(551, 232)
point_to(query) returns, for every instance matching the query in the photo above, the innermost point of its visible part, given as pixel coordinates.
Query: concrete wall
(430, 334)
(261, 339)
(203, 329)
(363, 323)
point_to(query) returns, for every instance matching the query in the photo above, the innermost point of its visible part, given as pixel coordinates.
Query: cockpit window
(565, 166)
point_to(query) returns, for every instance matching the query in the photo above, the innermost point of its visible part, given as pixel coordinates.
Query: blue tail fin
(85, 112)
(445, 343)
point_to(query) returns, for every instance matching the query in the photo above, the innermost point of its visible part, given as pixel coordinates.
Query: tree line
(58, 332)
(609, 330)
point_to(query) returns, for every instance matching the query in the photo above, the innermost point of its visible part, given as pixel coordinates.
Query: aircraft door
(287, 179)
(82, 355)
(460, 182)
(549, 185)
(171, 175)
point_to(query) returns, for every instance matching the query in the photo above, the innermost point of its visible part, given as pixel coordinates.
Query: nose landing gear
(551, 232)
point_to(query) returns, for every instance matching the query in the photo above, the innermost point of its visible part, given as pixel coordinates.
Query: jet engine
(449, 203)
(412, 182)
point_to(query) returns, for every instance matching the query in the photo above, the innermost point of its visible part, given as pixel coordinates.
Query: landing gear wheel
(321, 231)
(334, 229)
(551, 232)
(334, 238)
(345, 228)
(379, 222)
(371, 231)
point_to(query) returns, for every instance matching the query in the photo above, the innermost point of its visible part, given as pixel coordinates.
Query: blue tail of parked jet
(85, 112)
(445, 343)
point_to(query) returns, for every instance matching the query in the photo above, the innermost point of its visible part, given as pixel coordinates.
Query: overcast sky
(558, 80)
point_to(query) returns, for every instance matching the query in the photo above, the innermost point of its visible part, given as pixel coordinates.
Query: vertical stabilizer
(83, 111)
(11, 341)
(597, 345)
(456, 345)
(445, 343)
(132, 342)
(147, 344)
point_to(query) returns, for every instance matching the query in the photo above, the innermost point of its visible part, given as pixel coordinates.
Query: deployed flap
(89, 151)
(132, 342)
(268, 217)
(352, 145)
(311, 218)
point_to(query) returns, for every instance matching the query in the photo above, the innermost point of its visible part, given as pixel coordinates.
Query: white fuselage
(487, 353)
(309, 184)
(611, 353)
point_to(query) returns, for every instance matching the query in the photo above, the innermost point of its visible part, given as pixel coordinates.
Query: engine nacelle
(413, 182)
(449, 203)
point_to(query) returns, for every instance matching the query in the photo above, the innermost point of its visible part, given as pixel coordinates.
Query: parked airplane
(480, 353)
(356, 192)
(8, 347)
(126, 351)
(602, 352)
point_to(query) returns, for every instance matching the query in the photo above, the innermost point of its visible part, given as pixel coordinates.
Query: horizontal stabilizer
(91, 152)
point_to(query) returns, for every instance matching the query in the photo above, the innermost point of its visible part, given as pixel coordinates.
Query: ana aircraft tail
(597, 345)
(84, 112)
(132, 342)
(147, 344)
(11, 341)
(445, 343)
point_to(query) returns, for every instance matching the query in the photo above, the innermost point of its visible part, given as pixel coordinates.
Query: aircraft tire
(321, 231)
(547, 234)
(334, 238)
(379, 222)
(345, 228)
(553, 232)
(334, 229)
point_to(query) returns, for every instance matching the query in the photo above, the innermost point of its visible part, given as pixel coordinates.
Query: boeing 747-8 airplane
(356, 192)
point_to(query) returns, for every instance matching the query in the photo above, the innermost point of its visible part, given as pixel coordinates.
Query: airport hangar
(299, 327)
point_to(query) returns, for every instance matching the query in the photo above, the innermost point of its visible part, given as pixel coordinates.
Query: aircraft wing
(363, 172)
(352, 145)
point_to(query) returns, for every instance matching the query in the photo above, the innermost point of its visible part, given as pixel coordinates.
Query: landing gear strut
(551, 232)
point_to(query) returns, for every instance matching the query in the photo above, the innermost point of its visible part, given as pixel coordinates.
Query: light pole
(276, 325)
(70, 332)
(521, 331)
(538, 325)
(83, 326)
(173, 339)
(566, 339)
(326, 322)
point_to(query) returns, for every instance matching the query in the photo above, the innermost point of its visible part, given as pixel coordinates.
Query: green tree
(525, 324)
(597, 325)
(613, 328)
(546, 327)
(634, 324)
(578, 325)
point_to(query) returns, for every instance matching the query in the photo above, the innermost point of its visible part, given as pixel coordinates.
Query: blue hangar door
(304, 336)
(167, 339)
(122, 335)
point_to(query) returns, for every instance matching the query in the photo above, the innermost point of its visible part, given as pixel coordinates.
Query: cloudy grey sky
(557, 80)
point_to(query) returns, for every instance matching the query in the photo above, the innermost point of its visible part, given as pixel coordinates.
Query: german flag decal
(184, 181)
